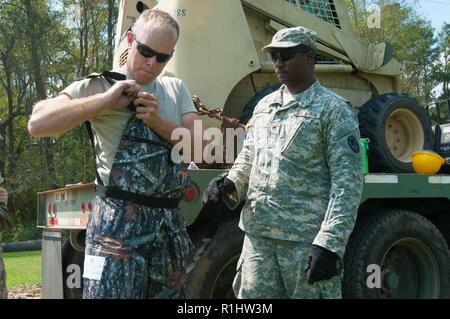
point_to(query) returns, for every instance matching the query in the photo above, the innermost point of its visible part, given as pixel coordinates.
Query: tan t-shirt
(174, 101)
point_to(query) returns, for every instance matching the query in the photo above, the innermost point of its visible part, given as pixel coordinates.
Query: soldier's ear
(312, 57)
(129, 38)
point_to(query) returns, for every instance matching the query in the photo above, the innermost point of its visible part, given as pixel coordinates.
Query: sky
(437, 11)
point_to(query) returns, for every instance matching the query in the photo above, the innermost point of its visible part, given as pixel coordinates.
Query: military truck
(399, 246)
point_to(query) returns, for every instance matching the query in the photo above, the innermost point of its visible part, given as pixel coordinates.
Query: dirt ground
(25, 292)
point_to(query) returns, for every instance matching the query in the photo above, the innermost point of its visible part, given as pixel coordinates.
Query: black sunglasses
(287, 54)
(148, 52)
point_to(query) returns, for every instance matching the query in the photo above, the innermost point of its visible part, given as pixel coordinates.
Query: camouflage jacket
(300, 169)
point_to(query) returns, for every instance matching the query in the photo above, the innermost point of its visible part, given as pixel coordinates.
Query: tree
(442, 65)
(39, 56)
(412, 37)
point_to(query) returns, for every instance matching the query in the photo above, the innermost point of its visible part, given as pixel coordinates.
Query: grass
(22, 268)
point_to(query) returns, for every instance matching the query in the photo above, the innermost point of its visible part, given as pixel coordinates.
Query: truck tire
(442, 222)
(248, 109)
(409, 251)
(71, 257)
(397, 126)
(213, 274)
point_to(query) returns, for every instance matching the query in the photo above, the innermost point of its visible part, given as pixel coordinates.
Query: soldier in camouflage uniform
(3, 203)
(136, 239)
(300, 174)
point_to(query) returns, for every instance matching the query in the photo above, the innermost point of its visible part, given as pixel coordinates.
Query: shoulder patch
(353, 143)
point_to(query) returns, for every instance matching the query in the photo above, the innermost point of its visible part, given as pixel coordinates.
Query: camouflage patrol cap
(291, 37)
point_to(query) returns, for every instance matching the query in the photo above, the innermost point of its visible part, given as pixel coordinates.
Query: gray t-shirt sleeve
(186, 105)
(84, 88)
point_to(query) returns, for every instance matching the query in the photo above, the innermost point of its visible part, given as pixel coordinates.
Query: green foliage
(22, 268)
(412, 37)
(441, 68)
(22, 232)
(67, 46)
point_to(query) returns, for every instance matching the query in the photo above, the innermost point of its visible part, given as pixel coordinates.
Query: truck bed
(69, 207)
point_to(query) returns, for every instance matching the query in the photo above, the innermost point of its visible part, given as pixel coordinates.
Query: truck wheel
(442, 222)
(71, 257)
(407, 249)
(213, 275)
(247, 112)
(397, 127)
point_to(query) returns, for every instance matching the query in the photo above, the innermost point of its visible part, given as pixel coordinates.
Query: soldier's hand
(321, 264)
(219, 190)
(147, 108)
(213, 194)
(121, 94)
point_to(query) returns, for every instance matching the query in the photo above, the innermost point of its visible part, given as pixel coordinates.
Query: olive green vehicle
(399, 246)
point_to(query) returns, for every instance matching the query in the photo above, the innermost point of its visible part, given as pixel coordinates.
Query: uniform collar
(302, 99)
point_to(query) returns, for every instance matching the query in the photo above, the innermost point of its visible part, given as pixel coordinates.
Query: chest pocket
(261, 123)
(303, 134)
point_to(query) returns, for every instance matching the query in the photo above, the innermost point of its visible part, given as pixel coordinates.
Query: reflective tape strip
(52, 222)
(64, 221)
(381, 179)
(439, 179)
(68, 222)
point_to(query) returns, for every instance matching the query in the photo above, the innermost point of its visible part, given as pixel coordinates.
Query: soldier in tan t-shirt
(136, 239)
(171, 93)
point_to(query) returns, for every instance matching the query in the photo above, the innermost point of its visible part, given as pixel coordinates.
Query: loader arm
(334, 36)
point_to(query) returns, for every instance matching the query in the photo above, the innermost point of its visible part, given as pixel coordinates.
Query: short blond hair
(162, 17)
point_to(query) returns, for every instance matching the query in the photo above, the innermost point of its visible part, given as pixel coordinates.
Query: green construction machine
(399, 246)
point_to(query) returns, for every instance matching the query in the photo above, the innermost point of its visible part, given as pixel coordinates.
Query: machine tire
(247, 112)
(397, 126)
(410, 251)
(214, 272)
(442, 222)
(69, 257)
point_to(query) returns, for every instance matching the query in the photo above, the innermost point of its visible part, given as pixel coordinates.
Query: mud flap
(52, 278)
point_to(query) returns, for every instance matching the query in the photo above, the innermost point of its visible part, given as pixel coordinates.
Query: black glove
(215, 199)
(321, 264)
(220, 190)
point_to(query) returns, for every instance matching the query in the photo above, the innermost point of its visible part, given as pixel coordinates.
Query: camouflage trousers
(3, 290)
(135, 252)
(272, 268)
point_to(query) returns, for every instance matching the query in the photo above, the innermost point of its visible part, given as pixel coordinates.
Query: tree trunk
(2, 149)
(34, 40)
(110, 26)
(9, 93)
(96, 36)
(85, 37)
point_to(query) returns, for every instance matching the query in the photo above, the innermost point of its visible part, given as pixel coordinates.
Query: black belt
(139, 199)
